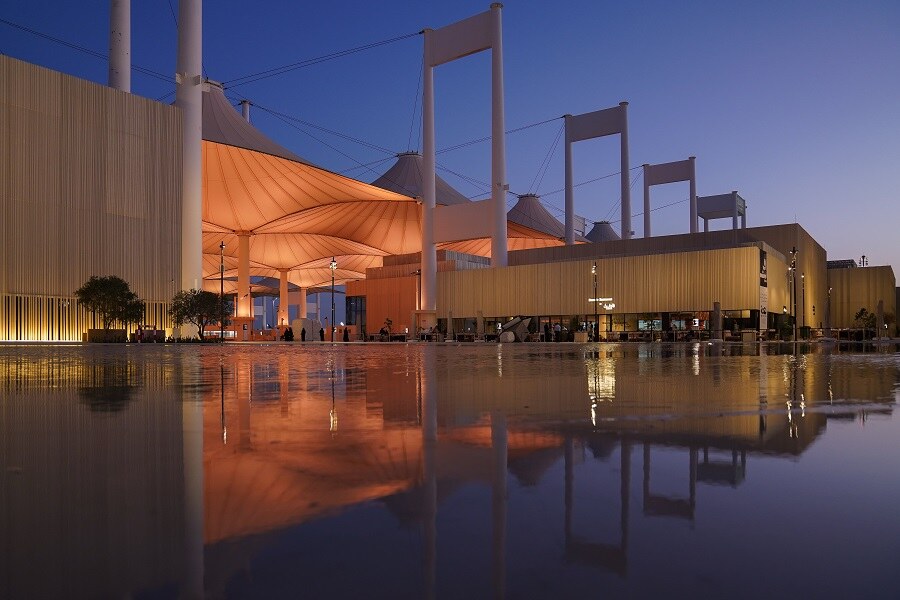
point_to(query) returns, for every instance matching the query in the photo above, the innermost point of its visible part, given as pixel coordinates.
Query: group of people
(288, 335)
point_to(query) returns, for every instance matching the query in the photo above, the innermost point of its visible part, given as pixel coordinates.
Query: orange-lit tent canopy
(298, 215)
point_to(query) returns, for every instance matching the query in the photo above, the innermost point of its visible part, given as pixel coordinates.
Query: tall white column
(646, 202)
(245, 301)
(693, 160)
(625, 177)
(120, 45)
(302, 308)
(245, 110)
(498, 143)
(570, 187)
(189, 98)
(429, 251)
(283, 302)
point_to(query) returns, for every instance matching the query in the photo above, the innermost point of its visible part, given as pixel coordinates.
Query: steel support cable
(630, 187)
(486, 138)
(545, 164)
(94, 53)
(412, 122)
(275, 71)
(326, 130)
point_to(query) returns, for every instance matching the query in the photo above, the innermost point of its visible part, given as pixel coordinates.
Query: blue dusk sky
(796, 105)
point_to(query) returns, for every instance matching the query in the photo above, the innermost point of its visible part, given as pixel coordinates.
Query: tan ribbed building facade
(90, 184)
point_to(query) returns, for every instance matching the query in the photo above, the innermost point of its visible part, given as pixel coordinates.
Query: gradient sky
(796, 105)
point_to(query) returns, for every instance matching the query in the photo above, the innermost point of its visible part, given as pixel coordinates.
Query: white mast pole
(189, 98)
(498, 143)
(120, 45)
(429, 252)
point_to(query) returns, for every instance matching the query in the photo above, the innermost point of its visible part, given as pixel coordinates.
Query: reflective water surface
(445, 471)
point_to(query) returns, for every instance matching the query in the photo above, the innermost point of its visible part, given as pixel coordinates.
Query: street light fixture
(333, 266)
(222, 291)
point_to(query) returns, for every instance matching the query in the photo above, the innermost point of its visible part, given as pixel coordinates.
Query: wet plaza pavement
(449, 471)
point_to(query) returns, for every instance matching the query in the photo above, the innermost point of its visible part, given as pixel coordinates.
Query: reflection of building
(91, 479)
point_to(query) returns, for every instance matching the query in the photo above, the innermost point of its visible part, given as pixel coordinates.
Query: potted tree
(200, 308)
(110, 298)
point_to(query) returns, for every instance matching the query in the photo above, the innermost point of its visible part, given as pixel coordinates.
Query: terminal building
(92, 184)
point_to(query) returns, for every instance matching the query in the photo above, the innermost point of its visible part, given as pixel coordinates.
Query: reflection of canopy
(298, 216)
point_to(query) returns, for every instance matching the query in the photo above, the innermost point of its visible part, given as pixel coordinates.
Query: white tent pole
(429, 252)
(646, 201)
(245, 110)
(626, 170)
(498, 143)
(120, 45)
(693, 193)
(189, 98)
(245, 301)
(283, 302)
(570, 187)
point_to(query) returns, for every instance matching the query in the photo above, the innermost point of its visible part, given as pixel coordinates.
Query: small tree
(863, 319)
(200, 308)
(111, 299)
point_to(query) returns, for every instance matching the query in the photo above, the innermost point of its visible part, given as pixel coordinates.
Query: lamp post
(222, 291)
(794, 288)
(596, 319)
(333, 266)
(803, 298)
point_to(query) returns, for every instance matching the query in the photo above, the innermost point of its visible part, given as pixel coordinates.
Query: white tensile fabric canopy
(298, 216)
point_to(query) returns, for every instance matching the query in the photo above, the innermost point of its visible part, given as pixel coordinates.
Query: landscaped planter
(106, 336)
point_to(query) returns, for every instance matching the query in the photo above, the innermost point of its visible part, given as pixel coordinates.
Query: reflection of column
(692, 474)
(192, 429)
(625, 494)
(428, 401)
(569, 484)
(243, 385)
(499, 443)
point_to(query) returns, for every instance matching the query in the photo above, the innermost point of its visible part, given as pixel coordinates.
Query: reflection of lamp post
(333, 266)
(222, 291)
(596, 319)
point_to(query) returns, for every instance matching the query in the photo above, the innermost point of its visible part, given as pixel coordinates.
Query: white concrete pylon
(120, 45)
(189, 98)
(670, 172)
(477, 33)
(609, 121)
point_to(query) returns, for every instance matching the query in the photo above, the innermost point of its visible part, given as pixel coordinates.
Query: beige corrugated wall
(684, 281)
(90, 184)
(853, 289)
